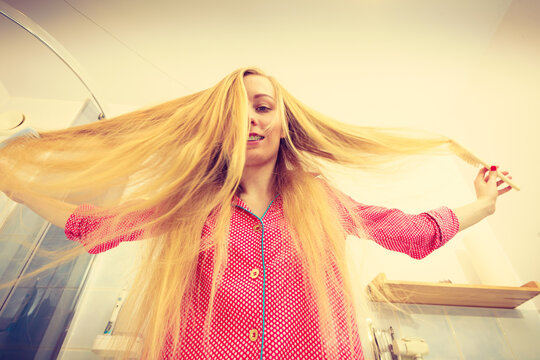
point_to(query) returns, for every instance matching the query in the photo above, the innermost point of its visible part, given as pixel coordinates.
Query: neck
(258, 181)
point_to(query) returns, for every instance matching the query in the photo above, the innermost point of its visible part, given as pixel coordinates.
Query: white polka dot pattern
(83, 228)
(290, 328)
(416, 235)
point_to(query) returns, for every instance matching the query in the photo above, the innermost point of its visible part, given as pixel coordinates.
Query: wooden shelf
(412, 292)
(114, 345)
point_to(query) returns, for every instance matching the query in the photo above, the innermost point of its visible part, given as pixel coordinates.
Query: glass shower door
(41, 80)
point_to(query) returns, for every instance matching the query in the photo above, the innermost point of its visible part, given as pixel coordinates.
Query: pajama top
(261, 310)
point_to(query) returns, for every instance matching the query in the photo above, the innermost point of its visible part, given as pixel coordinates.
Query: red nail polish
(493, 168)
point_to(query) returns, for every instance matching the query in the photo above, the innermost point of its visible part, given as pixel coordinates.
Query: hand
(487, 187)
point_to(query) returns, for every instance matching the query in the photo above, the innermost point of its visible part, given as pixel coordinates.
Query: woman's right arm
(55, 211)
(87, 230)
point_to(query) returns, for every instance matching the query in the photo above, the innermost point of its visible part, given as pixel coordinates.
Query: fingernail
(493, 168)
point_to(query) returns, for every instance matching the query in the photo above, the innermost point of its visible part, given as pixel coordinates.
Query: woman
(244, 255)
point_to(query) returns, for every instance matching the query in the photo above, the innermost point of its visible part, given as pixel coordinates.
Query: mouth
(255, 137)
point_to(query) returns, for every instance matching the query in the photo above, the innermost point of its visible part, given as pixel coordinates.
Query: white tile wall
(40, 114)
(110, 272)
(73, 354)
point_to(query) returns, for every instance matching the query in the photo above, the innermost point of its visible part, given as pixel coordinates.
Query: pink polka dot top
(261, 311)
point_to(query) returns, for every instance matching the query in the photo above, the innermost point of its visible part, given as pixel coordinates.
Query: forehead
(257, 84)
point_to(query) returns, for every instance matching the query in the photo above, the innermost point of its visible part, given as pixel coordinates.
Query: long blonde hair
(182, 161)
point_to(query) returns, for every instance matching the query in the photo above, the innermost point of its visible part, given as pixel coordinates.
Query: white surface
(44, 114)
(41, 114)
(419, 190)
(465, 69)
(10, 120)
(110, 272)
(103, 345)
(82, 354)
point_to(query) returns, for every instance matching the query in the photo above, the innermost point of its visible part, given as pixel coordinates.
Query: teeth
(254, 137)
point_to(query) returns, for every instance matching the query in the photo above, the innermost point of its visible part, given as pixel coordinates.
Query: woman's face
(265, 126)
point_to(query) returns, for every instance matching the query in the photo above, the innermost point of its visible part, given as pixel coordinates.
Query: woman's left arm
(486, 192)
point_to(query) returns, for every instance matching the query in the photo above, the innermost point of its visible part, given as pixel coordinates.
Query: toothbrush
(467, 156)
(110, 325)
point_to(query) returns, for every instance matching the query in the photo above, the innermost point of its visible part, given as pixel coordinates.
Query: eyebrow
(261, 95)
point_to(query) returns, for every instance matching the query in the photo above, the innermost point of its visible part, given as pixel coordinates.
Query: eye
(265, 109)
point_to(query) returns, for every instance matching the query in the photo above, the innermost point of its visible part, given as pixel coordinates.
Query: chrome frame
(49, 41)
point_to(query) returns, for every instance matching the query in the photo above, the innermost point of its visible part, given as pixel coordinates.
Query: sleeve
(416, 235)
(85, 229)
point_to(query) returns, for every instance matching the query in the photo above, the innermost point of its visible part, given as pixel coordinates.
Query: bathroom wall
(459, 333)
(41, 114)
(35, 312)
(465, 69)
(110, 273)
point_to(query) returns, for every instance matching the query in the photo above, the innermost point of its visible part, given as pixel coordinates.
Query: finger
(492, 173)
(488, 174)
(505, 190)
(506, 174)
(481, 172)
(500, 182)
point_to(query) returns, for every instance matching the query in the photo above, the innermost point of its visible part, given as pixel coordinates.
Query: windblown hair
(182, 161)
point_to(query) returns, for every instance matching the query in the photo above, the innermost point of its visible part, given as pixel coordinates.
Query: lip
(254, 142)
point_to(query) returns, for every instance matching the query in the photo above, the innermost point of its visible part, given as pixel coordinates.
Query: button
(254, 273)
(253, 333)
(257, 227)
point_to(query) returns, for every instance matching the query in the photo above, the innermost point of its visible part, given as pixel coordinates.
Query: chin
(259, 160)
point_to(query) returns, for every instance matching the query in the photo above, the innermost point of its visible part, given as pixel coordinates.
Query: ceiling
(141, 51)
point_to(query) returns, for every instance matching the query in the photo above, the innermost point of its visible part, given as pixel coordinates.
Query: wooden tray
(412, 292)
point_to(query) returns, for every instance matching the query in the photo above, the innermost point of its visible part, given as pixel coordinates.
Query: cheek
(277, 133)
(274, 137)
(277, 129)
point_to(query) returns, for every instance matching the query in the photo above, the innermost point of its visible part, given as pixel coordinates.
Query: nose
(252, 117)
